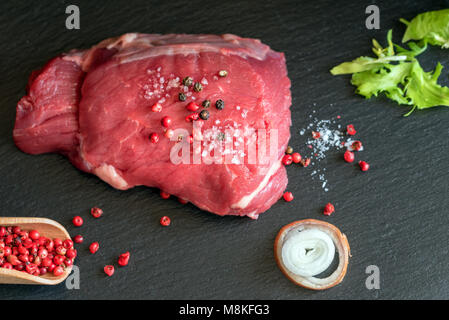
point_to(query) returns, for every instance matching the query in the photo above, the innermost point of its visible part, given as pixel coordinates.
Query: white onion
(306, 248)
(308, 252)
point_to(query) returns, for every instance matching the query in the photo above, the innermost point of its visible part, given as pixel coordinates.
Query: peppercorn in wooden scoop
(46, 228)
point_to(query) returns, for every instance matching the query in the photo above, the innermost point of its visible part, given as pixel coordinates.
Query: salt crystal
(330, 140)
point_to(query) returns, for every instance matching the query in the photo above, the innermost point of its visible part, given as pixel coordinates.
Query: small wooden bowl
(47, 228)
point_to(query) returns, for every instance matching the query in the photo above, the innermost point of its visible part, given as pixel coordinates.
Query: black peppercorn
(182, 96)
(206, 103)
(204, 114)
(197, 87)
(187, 81)
(219, 104)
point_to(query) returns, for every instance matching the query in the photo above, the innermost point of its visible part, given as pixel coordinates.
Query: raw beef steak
(103, 109)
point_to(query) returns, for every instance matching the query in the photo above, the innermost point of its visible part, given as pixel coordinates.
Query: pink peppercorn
(165, 221)
(364, 166)
(109, 270)
(96, 212)
(169, 133)
(164, 195)
(350, 130)
(296, 157)
(34, 234)
(192, 106)
(154, 137)
(156, 107)
(328, 209)
(94, 246)
(287, 159)
(349, 156)
(356, 145)
(57, 271)
(78, 239)
(166, 121)
(123, 259)
(71, 253)
(77, 221)
(305, 162)
(288, 196)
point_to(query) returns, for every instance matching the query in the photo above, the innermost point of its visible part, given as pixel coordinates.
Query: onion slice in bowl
(305, 248)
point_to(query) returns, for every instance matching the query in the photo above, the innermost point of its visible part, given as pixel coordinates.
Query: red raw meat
(94, 106)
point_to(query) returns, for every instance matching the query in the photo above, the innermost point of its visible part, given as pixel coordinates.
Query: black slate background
(395, 216)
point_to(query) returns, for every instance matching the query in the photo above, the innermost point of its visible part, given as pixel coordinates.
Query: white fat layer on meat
(107, 173)
(253, 215)
(137, 46)
(246, 200)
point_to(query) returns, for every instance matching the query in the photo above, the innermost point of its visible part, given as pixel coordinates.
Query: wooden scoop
(47, 228)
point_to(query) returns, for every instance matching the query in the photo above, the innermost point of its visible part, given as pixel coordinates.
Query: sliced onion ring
(339, 240)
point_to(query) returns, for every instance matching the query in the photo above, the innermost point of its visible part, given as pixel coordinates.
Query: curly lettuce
(396, 73)
(432, 27)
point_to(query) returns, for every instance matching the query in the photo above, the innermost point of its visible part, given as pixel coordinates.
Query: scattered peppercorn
(328, 209)
(187, 81)
(166, 121)
(288, 196)
(156, 107)
(316, 135)
(192, 106)
(182, 96)
(96, 212)
(287, 159)
(109, 270)
(94, 246)
(154, 137)
(219, 104)
(197, 87)
(356, 145)
(204, 114)
(289, 150)
(77, 221)
(222, 73)
(164, 195)
(206, 104)
(349, 156)
(192, 117)
(305, 162)
(78, 239)
(183, 201)
(169, 133)
(296, 157)
(364, 166)
(123, 259)
(350, 130)
(165, 221)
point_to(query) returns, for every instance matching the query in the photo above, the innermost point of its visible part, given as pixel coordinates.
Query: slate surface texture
(395, 216)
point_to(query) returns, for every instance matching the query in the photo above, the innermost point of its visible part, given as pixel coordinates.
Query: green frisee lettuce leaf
(398, 75)
(432, 27)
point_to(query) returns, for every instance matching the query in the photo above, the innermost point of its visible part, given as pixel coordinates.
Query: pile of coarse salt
(323, 136)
